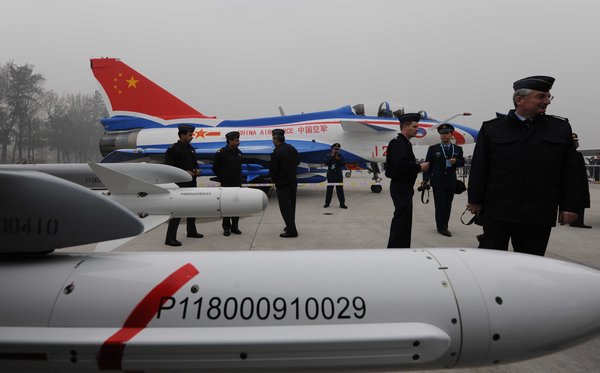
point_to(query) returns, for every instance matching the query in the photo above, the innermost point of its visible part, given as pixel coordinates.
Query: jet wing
(356, 126)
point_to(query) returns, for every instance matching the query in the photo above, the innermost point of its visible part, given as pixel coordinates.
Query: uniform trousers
(401, 227)
(230, 222)
(174, 224)
(442, 199)
(286, 196)
(339, 189)
(529, 239)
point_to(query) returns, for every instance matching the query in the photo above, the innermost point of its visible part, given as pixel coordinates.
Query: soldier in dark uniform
(228, 169)
(335, 162)
(524, 169)
(182, 155)
(282, 171)
(443, 160)
(585, 188)
(402, 168)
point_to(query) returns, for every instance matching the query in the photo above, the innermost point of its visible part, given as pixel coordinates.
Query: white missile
(155, 204)
(326, 310)
(82, 174)
(143, 198)
(302, 310)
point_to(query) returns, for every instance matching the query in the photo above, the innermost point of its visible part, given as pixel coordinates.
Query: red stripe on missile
(111, 352)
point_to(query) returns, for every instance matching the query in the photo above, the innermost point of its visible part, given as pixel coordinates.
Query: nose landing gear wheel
(376, 188)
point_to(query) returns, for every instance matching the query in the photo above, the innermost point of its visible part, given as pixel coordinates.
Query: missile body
(82, 174)
(302, 310)
(197, 202)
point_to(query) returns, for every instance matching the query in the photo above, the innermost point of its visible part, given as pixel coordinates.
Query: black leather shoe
(236, 231)
(343, 206)
(287, 235)
(226, 233)
(445, 233)
(326, 205)
(172, 243)
(195, 235)
(580, 226)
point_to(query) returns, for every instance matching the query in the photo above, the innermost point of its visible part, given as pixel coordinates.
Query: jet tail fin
(127, 92)
(121, 184)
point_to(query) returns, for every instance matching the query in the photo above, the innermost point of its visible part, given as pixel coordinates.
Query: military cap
(278, 132)
(185, 128)
(232, 135)
(409, 117)
(336, 145)
(445, 128)
(537, 83)
(574, 136)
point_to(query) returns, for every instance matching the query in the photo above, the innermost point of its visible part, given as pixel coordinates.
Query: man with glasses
(524, 172)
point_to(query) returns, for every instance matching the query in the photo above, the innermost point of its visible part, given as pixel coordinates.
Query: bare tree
(23, 91)
(5, 123)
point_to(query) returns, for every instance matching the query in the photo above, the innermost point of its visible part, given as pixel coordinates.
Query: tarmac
(366, 224)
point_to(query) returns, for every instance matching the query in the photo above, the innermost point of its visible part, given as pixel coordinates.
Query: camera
(423, 187)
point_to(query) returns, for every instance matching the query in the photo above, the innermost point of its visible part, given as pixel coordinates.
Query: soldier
(182, 155)
(228, 169)
(402, 168)
(443, 160)
(335, 161)
(585, 188)
(524, 169)
(282, 171)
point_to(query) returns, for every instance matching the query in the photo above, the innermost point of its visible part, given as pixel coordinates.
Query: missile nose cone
(242, 201)
(535, 305)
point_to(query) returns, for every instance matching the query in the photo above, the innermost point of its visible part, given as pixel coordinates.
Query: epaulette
(559, 118)
(498, 117)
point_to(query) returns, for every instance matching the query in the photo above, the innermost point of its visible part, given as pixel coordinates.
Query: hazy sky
(237, 59)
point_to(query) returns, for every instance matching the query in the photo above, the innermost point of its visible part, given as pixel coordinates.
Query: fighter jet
(144, 118)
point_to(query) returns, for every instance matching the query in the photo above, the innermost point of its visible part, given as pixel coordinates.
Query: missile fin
(150, 222)
(121, 184)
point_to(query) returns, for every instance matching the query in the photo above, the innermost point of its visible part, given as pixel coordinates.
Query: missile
(326, 310)
(320, 310)
(143, 198)
(81, 173)
(155, 204)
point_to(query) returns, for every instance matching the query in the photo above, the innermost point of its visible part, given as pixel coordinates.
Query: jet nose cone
(536, 305)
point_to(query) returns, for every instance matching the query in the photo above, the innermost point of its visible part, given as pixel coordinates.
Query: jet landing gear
(375, 188)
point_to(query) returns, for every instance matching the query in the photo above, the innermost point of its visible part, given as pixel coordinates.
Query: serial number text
(263, 308)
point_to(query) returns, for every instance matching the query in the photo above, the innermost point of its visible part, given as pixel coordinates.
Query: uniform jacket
(182, 155)
(284, 161)
(400, 161)
(227, 166)
(334, 168)
(438, 175)
(524, 173)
